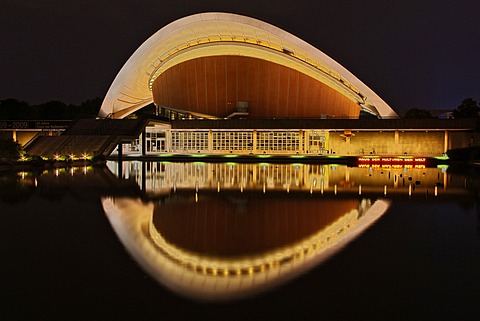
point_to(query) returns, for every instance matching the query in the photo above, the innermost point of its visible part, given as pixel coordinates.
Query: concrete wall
(388, 143)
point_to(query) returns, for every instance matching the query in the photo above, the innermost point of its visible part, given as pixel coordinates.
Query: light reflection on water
(157, 178)
(423, 250)
(219, 231)
(208, 250)
(212, 232)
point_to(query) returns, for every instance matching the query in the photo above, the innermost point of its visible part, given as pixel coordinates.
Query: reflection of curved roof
(215, 278)
(218, 227)
(213, 34)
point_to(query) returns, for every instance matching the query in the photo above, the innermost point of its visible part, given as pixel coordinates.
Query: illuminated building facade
(217, 64)
(234, 84)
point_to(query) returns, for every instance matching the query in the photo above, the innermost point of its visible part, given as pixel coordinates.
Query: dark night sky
(413, 53)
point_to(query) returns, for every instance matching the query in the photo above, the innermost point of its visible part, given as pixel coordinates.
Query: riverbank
(375, 161)
(307, 159)
(43, 165)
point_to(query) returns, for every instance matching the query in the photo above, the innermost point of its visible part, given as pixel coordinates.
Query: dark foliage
(417, 113)
(469, 108)
(464, 154)
(13, 109)
(10, 150)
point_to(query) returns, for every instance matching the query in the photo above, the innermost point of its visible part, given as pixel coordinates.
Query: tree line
(13, 109)
(469, 108)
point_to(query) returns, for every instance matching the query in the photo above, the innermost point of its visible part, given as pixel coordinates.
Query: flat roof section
(331, 124)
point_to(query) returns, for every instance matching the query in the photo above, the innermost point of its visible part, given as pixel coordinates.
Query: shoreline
(351, 161)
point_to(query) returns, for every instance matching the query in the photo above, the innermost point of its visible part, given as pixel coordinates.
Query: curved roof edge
(131, 88)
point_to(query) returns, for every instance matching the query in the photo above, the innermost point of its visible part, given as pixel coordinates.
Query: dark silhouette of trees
(10, 150)
(147, 110)
(469, 108)
(417, 113)
(13, 109)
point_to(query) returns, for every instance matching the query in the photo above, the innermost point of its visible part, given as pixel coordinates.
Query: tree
(469, 108)
(417, 113)
(89, 107)
(11, 109)
(10, 150)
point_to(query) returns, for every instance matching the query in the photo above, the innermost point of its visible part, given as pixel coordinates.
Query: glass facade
(190, 141)
(278, 141)
(232, 141)
(225, 141)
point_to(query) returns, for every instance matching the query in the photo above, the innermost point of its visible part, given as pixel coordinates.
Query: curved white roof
(213, 34)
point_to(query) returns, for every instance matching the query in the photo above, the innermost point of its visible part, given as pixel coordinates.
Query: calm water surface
(187, 241)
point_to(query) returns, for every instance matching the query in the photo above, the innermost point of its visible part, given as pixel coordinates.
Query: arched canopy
(216, 34)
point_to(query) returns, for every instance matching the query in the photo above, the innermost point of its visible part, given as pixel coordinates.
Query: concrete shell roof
(213, 34)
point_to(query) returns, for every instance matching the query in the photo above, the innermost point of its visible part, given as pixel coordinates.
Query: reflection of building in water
(246, 224)
(158, 178)
(213, 248)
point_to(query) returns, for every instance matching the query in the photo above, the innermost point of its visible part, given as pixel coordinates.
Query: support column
(210, 141)
(144, 141)
(445, 143)
(300, 142)
(168, 140)
(254, 138)
(397, 139)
